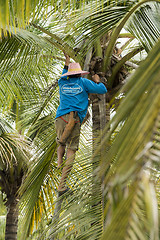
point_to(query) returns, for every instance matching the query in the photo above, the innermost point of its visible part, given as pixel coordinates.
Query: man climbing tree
(71, 112)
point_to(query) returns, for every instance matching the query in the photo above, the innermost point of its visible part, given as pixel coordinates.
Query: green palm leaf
(144, 25)
(127, 155)
(19, 13)
(36, 180)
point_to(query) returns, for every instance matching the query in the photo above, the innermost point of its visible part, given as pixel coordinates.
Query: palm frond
(135, 213)
(19, 13)
(36, 180)
(20, 82)
(144, 25)
(96, 22)
(13, 151)
(126, 159)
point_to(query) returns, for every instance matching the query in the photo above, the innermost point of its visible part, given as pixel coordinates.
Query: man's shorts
(72, 141)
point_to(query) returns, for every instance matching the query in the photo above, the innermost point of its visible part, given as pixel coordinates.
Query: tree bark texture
(12, 220)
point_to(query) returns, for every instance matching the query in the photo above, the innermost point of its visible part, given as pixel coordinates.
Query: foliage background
(126, 155)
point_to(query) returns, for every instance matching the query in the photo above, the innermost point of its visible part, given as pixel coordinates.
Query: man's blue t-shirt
(74, 95)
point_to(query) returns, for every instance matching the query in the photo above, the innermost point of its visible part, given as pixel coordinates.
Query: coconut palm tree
(13, 167)
(36, 101)
(72, 207)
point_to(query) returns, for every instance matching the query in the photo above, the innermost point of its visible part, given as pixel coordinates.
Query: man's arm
(96, 86)
(67, 61)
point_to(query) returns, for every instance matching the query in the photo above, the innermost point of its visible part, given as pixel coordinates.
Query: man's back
(74, 95)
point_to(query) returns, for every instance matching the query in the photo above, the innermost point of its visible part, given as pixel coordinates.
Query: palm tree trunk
(99, 122)
(95, 118)
(12, 220)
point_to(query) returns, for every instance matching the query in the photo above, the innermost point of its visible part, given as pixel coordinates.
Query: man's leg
(72, 146)
(66, 169)
(60, 126)
(60, 153)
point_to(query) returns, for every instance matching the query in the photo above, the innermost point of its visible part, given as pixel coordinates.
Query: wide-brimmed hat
(74, 68)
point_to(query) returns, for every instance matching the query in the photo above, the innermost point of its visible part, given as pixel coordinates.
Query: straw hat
(75, 68)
